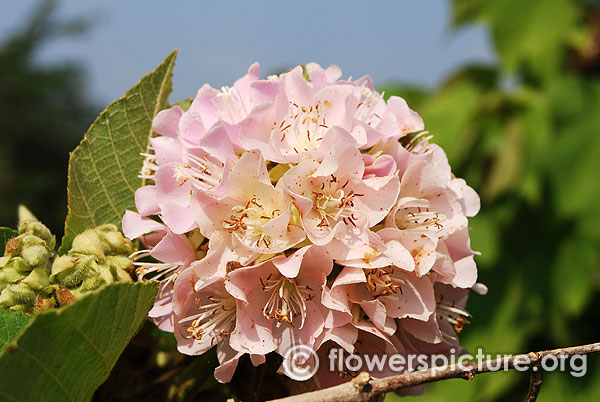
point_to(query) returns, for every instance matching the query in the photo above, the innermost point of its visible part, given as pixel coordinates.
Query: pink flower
(282, 297)
(428, 209)
(336, 205)
(178, 171)
(205, 313)
(383, 295)
(305, 119)
(253, 217)
(173, 253)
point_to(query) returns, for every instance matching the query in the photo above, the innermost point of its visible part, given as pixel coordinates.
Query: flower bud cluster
(97, 257)
(25, 267)
(33, 278)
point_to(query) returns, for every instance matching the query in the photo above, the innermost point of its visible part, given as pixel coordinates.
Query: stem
(363, 387)
(535, 382)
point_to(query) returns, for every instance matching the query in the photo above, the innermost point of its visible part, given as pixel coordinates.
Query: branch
(535, 381)
(365, 388)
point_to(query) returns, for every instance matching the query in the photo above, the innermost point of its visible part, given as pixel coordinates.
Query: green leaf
(507, 163)
(572, 275)
(449, 124)
(11, 323)
(65, 354)
(5, 235)
(104, 168)
(532, 33)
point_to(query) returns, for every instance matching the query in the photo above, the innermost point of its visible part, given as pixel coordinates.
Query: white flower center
(418, 218)
(365, 110)
(247, 222)
(333, 203)
(215, 320)
(202, 173)
(287, 299)
(303, 130)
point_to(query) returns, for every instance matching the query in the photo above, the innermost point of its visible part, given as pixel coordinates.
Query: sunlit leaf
(104, 168)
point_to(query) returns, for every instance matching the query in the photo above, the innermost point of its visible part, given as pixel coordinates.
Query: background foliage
(524, 132)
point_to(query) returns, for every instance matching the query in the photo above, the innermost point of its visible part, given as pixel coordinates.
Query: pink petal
(135, 225)
(166, 121)
(146, 200)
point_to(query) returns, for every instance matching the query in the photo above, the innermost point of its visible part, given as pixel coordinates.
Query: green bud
(19, 293)
(88, 243)
(37, 280)
(25, 267)
(71, 271)
(119, 268)
(40, 230)
(98, 256)
(113, 241)
(13, 272)
(34, 251)
(99, 278)
(33, 279)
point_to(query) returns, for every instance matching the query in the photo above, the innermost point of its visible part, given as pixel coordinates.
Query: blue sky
(409, 41)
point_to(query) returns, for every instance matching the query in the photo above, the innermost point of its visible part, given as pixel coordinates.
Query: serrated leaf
(11, 323)
(5, 235)
(104, 168)
(65, 354)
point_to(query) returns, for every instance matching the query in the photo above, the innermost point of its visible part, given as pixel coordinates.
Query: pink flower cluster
(302, 209)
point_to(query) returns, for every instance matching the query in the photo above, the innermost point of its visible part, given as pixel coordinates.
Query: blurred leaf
(507, 163)
(504, 334)
(11, 323)
(104, 168)
(413, 95)
(574, 163)
(532, 33)
(464, 11)
(65, 354)
(5, 235)
(485, 238)
(575, 265)
(448, 116)
(535, 118)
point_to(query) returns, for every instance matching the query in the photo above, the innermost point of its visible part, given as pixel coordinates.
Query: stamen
(216, 319)
(164, 272)
(418, 218)
(247, 222)
(287, 299)
(302, 129)
(456, 316)
(149, 165)
(202, 173)
(381, 282)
